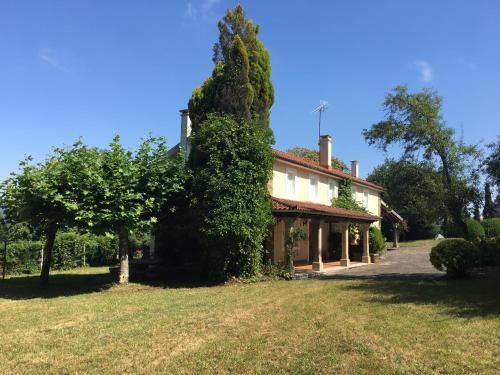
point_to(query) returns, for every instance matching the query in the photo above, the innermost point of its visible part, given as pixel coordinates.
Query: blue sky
(97, 68)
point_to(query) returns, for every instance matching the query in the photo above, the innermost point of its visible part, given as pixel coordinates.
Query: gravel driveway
(404, 263)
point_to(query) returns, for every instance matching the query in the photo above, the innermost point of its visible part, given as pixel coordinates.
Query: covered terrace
(314, 218)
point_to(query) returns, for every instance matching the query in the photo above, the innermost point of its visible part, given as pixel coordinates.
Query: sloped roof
(316, 166)
(284, 205)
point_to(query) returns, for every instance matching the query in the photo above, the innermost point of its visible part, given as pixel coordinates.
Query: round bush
(491, 227)
(474, 229)
(376, 240)
(456, 256)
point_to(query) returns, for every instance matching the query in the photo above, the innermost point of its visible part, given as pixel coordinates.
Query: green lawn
(418, 243)
(82, 324)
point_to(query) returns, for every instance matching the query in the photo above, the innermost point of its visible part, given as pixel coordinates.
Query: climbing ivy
(345, 199)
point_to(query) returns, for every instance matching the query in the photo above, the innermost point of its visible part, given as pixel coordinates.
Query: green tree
(414, 121)
(313, 156)
(240, 83)
(414, 190)
(134, 190)
(489, 207)
(492, 162)
(231, 163)
(53, 194)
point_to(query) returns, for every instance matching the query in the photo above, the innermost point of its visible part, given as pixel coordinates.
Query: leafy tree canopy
(414, 121)
(53, 194)
(312, 155)
(415, 191)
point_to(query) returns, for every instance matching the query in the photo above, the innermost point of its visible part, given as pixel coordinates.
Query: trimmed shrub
(455, 256)
(377, 242)
(491, 227)
(474, 229)
(489, 252)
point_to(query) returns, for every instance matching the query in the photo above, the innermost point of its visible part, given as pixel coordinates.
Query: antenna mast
(323, 105)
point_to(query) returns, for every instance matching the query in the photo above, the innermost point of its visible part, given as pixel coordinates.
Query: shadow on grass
(476, 296)
(64, 284)
(70, 284)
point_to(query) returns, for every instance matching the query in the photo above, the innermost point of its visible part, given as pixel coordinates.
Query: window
(290, 183)
(353, 193)
(332, 190)
(365, 196)
(313, 188)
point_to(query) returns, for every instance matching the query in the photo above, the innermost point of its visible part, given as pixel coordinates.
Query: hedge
(71, 250)
(474, 230)
(23, 256)
(491, 227)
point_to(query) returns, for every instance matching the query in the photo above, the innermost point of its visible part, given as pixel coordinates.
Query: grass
(419, 243)
(81, 323)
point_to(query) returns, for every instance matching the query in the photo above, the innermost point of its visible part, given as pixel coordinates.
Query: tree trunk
(123, 253)
(50, 236)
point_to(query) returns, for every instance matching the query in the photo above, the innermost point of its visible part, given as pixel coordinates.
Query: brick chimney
(355, 168)
(325, 151)
(185, 131)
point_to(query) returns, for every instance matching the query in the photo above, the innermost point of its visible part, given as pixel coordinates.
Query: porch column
(395, 243)
(288, 227)
(318, 262)
(366, 244)
(344, 261)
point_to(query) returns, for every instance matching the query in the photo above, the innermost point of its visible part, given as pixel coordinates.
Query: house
(302, 192)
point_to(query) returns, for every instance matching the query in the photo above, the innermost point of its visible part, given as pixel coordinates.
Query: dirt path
(404, 263)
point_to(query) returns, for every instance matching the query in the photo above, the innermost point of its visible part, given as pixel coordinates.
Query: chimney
(355, 168)
(325, 151)
(185, 131)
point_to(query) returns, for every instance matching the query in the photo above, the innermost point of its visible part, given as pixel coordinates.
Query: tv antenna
(323, 105)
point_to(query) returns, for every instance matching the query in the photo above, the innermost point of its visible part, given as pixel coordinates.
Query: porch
(328, 240)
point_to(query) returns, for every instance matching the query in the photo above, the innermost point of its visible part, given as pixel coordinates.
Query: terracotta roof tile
(316, 166)
(280, 204)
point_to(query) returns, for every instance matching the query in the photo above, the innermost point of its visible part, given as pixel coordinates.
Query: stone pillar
(344, 261)
(395, 243)
(318, 262)
(366, 244)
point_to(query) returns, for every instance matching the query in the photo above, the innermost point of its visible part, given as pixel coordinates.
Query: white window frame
(314, 188)
(353, 192)
(366, 198)
(291, 184)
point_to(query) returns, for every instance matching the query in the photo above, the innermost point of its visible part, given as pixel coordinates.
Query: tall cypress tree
(239, 55)
(488, 202)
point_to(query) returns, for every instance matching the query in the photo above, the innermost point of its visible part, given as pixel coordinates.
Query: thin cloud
(425, 70)
(50, 57)
(203, 10)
